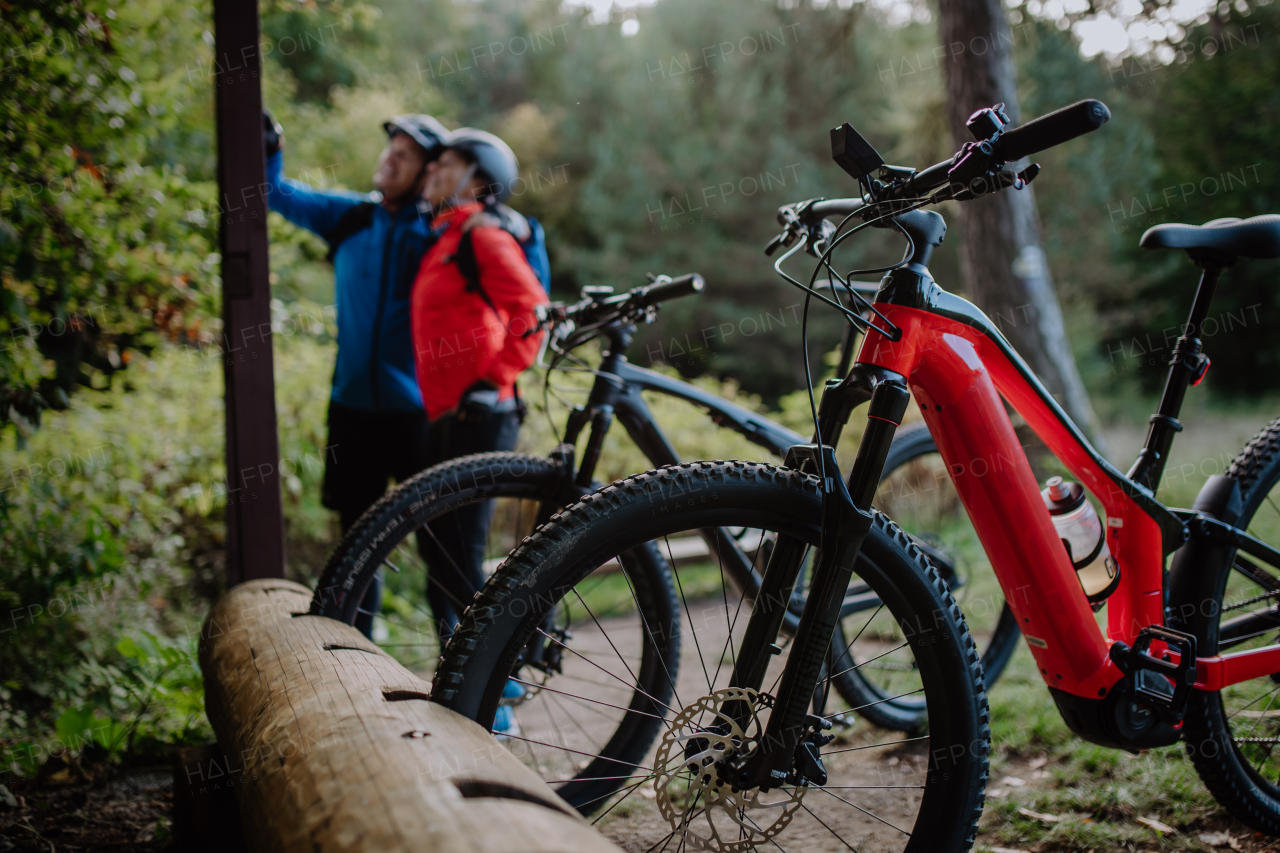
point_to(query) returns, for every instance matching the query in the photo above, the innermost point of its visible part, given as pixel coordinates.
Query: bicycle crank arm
(846, 520)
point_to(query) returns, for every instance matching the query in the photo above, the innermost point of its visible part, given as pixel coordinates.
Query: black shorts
(366, 449)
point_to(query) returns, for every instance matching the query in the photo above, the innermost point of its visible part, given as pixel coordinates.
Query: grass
(1097, 793)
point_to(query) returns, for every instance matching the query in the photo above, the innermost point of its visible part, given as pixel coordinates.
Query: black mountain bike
(742, 757)
(522, 490)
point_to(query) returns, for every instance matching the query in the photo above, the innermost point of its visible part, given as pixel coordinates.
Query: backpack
(355, 219)
(360, 216)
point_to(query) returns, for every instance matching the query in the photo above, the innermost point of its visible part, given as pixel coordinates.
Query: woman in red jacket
(472, 309)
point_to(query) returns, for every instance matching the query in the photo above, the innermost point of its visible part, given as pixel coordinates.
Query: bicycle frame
(617, 390)
(616, 393)
(959, 367)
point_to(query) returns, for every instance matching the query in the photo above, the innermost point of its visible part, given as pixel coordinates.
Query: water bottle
(1081, 532)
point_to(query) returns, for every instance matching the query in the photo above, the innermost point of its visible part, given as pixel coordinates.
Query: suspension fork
(846, 520)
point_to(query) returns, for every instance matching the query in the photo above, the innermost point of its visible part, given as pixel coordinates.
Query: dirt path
(872, 792)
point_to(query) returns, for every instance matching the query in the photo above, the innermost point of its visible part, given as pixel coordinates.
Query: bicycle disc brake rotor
(692, 794)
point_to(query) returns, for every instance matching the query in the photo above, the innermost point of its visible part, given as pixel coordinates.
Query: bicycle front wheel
(882, 792)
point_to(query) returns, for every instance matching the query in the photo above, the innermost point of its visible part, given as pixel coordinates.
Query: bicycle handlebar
(1052, 129)
(598, 309)
(661, 291)
(1036, 135)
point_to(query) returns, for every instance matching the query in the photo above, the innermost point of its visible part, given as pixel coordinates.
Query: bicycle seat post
(1186, 368)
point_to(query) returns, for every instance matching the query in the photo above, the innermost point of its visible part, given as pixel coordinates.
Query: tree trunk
(1001, 259)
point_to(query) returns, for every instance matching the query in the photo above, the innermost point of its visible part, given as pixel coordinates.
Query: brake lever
(783, 240)
(987, 183)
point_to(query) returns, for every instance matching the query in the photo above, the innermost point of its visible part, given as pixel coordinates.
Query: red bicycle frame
(958, 367)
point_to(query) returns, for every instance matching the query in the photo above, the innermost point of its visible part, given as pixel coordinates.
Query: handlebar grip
(1052, 129)
(685, 285)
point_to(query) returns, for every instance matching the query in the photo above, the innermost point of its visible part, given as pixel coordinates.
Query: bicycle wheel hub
(693, 791)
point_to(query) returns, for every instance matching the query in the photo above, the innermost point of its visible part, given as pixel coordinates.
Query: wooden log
(333, 746)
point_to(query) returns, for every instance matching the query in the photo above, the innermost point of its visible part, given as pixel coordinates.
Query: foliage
(318, 43)
(98, 254)
(110, 546)
(1213, 121)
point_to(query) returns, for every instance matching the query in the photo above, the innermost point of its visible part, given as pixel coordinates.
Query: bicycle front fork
(846, 520)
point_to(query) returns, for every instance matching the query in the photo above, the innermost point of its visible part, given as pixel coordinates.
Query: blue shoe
(504, 722)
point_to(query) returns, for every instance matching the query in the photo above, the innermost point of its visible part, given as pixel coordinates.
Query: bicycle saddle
(1257, 237)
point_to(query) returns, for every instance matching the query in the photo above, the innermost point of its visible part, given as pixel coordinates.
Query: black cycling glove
(478, 402)
(272, 133)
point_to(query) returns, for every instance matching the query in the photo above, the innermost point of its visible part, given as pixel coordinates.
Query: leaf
(130, 649)
(74, 727)
(1046, 818)
(1156, 825)
(1219, 839)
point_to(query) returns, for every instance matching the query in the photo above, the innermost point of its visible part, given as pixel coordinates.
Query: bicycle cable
(853, 319)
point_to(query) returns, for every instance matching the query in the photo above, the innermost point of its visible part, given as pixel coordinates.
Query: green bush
(111, 538)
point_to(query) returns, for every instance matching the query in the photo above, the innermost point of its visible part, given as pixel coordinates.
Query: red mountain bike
(741, 758)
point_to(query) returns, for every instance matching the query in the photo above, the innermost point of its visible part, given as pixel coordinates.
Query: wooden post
(255, 513)
(332, 745)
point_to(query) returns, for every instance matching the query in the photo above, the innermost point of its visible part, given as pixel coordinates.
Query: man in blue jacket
(377, 424)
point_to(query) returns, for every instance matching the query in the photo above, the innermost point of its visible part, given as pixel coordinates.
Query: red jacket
(457, 337)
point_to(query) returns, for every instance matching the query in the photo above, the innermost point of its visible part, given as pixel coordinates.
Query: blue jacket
(373, 271)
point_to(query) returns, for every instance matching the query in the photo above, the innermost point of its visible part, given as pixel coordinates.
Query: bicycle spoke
(584, 699)
(865, 812)
(607, 672)
(872, 660)
(574, 719)
(1259, 699)
(876, 746)
(604, 634)
(577, 752)
(827, 828)
(629, 792)
(693, 630)
(743, 813)
(877, 702)
(671, 682)
(864, 627)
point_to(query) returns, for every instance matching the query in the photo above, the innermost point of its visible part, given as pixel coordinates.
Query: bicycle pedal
(1158, 681)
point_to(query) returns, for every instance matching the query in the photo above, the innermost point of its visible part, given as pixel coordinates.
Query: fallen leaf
(1155, 824)
(1047, 818)
(1007, 850)
(7, 797)
(1219, 839)
(998, 792)
(1013, 781)
(1037, 763)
